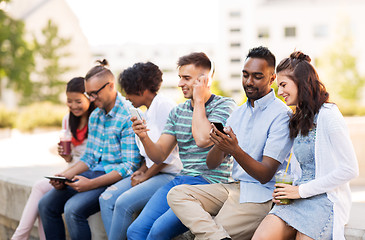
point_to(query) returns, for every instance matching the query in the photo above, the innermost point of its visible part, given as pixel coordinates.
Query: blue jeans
(121, 200)
(157, 220)
(76, 206)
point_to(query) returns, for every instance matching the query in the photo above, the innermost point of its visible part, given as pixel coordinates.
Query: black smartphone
(219, 126)
(62, 179)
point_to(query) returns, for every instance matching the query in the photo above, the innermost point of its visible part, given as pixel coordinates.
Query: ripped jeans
(121, 200)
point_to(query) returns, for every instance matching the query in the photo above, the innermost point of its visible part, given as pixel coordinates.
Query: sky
(147, 21)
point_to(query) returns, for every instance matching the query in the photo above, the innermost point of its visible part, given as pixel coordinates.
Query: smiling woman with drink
(75, 122)
(321, 197)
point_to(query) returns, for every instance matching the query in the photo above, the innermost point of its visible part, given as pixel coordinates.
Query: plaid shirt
(111, 140)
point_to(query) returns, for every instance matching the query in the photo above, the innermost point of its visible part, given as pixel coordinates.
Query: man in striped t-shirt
(188, 126)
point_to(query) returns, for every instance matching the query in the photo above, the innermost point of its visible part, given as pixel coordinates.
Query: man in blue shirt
(111, 154)
(257, 136)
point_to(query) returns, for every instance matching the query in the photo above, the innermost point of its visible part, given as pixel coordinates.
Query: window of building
(263, 32)
(235, 30)
(235, 75)
(235, 14)
(290, 31)
(320, 31)
(235, 60)
(235, 45)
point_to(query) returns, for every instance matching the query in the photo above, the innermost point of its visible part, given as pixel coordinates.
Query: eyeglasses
(94, 94)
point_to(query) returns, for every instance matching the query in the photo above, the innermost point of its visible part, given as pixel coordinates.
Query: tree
(49, 83)
(16, 55)
(339, 66)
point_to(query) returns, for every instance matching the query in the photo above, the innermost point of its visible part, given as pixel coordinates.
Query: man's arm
(200, 123)
(83, 184)
(261, 171)
(158, 151)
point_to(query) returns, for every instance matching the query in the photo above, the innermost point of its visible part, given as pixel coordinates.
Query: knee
(133, 231)
(176, 194)
(105, 200)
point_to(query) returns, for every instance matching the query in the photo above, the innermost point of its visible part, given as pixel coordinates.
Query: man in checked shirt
(111, 154)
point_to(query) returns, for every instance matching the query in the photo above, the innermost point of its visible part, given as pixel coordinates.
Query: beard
(252, 92)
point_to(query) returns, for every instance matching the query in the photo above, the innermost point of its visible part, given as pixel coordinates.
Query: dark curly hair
(139, 77)
(311, 91)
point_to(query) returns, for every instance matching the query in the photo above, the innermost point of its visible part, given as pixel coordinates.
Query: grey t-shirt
(193, 157)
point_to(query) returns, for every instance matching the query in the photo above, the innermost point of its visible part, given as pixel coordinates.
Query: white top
(156, 117)
(336, 165)
(76, 151)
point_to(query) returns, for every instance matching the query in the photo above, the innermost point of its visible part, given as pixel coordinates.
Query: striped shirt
(111, 140)
(179, 124)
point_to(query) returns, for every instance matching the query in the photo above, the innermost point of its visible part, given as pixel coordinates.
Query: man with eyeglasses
(111, 154)
(257, 137)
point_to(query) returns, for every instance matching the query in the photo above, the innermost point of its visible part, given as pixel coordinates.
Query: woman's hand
(285, 191)
(68, 158)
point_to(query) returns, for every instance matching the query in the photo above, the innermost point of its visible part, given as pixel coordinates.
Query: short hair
(263, 53)
(139, 77)
(99, 71)
(198, 59)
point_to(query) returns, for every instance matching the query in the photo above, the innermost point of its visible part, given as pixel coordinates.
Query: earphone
(211, 72)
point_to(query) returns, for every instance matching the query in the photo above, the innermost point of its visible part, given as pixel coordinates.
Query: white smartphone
(135, 113)
(211, 72)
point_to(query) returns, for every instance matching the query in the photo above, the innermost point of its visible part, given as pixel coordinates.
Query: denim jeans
(77, 206)
(157, 220)
(120, 201)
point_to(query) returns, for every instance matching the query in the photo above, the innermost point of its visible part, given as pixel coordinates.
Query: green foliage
(217, 90)
(7, 118)
(50, 83)
(43, 114)
(16, 55)
(339, 67)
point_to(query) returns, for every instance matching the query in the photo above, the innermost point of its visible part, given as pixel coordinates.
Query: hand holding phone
(59, 178)
(135, 113)
(219, 126)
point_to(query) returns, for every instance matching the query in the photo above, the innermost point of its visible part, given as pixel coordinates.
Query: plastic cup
(284, 178)
(65, 142)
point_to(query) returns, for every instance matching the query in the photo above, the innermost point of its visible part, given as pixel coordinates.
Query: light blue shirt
(260, 130)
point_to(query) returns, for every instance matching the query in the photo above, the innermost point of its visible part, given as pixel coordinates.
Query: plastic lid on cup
(65, 135)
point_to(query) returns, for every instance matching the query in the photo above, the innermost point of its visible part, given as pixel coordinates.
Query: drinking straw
(287, 165)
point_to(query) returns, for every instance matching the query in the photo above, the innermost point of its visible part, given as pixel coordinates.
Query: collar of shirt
(263, 102)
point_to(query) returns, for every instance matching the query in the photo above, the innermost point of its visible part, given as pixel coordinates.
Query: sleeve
(222, 110)
(335, 152)
(278, 143)
(129, 158)
(88, 156)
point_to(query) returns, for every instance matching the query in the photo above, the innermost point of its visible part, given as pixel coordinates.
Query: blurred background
(44, 43)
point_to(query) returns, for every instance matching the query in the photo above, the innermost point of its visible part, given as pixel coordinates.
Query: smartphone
(211, 72)
(219, 126)
(59, 178)
(135, 113)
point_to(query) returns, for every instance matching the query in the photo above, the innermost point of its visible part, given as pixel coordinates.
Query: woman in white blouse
(321, 197)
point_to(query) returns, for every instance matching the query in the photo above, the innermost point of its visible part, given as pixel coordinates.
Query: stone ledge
(15, 194)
